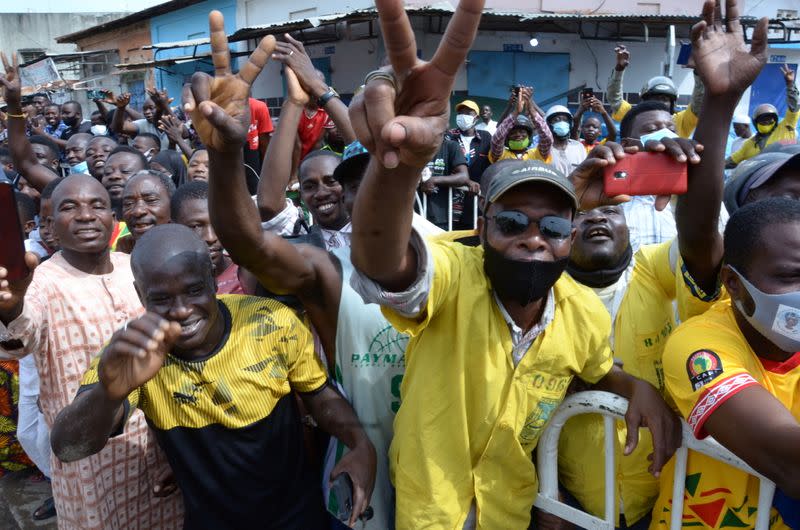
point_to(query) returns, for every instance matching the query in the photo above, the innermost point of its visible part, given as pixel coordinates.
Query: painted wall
(591, 61)
(184, 24)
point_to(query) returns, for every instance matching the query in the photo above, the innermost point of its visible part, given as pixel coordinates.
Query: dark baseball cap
(355, 159)
(757, 171)
(513, 175)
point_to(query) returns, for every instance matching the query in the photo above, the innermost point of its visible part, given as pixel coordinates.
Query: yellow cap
(470, 105)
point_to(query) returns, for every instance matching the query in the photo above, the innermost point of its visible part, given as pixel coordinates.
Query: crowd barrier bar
(612, 408)
(422, 205)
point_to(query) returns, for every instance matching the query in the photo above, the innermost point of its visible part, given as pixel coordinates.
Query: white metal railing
(612, 408)
(422, 205)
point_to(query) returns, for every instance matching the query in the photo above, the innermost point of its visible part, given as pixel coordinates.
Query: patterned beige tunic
(67, 318)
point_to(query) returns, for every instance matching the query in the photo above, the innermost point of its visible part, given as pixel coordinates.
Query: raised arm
(614, 87)
(119, 125)
(599, 108)
(132, 357)
(173, 128)
(400, 118)
(293, 54)
(575, 134)
(727, 69)
(500, 135)
(25, 161)
(276, 171)
(161, 100)
(222, 122)
(545, 135)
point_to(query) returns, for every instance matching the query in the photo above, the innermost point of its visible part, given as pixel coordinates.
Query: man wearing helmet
(566, 153)
(512, 139)
(658, 88)
(768, 129)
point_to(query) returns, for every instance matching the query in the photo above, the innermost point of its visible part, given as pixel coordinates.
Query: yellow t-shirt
(267, 353)
(531, 154)
(644, 321)
(706, 361)
(685, 120)
(784, 132)
(469, 418)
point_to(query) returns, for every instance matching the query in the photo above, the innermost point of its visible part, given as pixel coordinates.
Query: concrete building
(574, 43)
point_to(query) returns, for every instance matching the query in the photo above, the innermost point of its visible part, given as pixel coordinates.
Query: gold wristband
(21, 116)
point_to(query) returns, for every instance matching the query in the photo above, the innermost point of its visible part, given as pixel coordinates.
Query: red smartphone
(12, 242)
(646, 174)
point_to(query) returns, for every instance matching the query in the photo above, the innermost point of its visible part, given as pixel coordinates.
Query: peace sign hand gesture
(219, 105)
(402, 113)
(788, 74)
(12, 92)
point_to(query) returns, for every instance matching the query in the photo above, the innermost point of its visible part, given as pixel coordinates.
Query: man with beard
(62, 313)
(497, 332)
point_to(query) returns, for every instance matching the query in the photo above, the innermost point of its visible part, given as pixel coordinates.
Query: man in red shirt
(260, 127)
(258, 135)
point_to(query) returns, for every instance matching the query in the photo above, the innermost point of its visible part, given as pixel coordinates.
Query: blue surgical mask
(776, 317)
(561, 129)
(657, 135)
(81, 167)
(465, 122)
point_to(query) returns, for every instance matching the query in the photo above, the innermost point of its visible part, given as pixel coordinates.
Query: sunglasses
(512, 223)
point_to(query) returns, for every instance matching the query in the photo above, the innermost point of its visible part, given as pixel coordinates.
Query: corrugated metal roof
(145, 14)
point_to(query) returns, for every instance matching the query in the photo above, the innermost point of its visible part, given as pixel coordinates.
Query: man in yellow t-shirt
(658, 88)
(639, 290)
(768, 129)
(734, 373)
(216, 376)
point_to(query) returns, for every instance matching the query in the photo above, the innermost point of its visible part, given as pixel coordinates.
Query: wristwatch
(327, 96)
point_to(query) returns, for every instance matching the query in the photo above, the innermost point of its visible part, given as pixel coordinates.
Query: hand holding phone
(646, 173)
(342, 496)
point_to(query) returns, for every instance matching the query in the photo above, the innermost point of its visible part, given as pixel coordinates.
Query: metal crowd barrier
(422, 206)
(612, 408)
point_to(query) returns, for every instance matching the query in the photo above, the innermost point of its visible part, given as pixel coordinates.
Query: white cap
(741, 118)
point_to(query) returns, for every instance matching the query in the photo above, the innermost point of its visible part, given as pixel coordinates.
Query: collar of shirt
(337, 238)
(519, 338)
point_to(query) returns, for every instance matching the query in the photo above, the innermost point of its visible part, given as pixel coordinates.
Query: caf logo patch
(703, 366)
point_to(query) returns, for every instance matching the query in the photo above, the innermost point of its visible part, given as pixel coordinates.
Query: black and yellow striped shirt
(229, 424)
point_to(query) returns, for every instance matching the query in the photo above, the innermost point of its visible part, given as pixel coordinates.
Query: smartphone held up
(646, 173)
(12, 241)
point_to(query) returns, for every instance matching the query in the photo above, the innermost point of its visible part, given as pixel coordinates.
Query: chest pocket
(544, 392)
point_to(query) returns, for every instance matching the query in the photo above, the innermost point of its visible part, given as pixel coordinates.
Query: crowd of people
(359, 317)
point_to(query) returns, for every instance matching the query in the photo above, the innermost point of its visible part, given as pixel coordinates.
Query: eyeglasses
(512, 223)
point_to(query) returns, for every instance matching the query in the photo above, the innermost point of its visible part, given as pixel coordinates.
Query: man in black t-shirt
(447, 170)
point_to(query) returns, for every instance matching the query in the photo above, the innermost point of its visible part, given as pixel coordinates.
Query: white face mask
(657, 135)
(80, 167)
(465, 122)
(776, 317)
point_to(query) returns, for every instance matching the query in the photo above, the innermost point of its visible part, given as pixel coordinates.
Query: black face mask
(521, 281)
